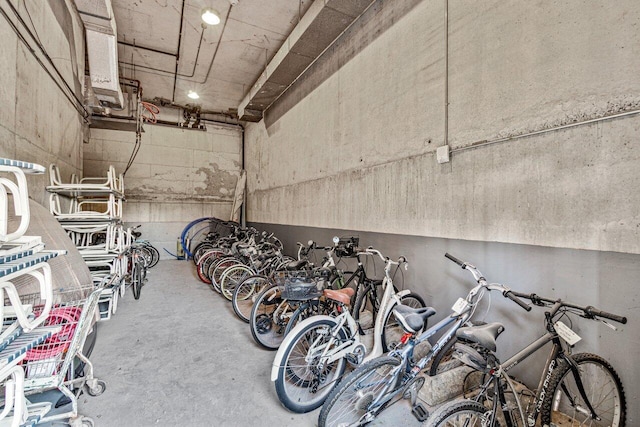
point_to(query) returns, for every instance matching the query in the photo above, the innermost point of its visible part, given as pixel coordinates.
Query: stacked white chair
(90, 210)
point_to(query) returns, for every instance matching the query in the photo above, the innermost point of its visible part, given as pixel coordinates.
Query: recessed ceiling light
(210, 16)
(193, 95)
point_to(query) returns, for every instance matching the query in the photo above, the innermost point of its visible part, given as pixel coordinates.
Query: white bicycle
(313, 356)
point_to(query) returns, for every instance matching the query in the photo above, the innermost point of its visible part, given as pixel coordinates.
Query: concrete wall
(351, 146)
(37, 122)
(362, 127)
(606, 280)
(178, 175)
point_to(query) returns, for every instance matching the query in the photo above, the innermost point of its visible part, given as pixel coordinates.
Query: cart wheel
(100, 387)
(87, 422)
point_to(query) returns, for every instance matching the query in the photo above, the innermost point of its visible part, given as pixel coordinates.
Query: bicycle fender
(403, 293)
(278, 360)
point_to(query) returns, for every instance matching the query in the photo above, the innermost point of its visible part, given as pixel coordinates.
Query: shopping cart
(59, 362)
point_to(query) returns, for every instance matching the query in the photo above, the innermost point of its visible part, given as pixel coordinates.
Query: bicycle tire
(202, 268)
(603, 388)
(246, 293)
(146, 254)
(302, 385)
(392, 330)
(364, 294)
(155, 255)
(267, 320)
(200, 249)
(217, 268)
(232, 277)
(305, 310)
(136, 279)
(465, 413)
(352, 395)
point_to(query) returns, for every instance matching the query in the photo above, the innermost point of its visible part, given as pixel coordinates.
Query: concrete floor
(180, 356)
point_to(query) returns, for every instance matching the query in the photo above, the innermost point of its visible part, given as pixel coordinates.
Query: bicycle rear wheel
(349, 403)
(269, 317)
(565, 406)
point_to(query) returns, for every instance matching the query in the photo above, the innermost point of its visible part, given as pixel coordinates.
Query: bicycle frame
(389, 300)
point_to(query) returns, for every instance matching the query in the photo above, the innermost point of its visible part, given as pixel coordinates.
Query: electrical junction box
(442, 154)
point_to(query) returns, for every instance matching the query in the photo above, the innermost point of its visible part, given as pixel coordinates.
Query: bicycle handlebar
(509, 294)
(454, 259)
(482, 282)
(371, 251)
(590, 312)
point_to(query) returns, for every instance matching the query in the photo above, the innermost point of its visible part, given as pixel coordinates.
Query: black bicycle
(575, 389)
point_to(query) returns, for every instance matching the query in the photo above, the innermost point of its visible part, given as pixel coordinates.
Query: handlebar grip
(517, 300)
(592, 311)
(454, 259)
(402, 260)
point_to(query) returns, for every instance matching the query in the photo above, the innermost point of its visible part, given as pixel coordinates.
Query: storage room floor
(179, 356)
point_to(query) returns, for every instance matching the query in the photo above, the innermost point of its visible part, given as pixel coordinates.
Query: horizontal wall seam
(543, 131)
(346, 171)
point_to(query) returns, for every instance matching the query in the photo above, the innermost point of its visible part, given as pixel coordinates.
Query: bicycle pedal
(420, 412)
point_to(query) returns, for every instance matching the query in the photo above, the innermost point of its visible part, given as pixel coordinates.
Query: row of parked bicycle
(354, 345)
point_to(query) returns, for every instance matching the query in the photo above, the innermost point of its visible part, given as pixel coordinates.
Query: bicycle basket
(347, 246)
(300, 285)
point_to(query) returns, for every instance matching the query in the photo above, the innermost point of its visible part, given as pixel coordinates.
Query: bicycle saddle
(484, 335)
(341, 295)
(412, 319)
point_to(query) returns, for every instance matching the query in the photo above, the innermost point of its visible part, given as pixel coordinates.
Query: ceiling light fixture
(193, 95)
(210, 16)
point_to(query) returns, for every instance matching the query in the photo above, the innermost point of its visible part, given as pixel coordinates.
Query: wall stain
(217, 182)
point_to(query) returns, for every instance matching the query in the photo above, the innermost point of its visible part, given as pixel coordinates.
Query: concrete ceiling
(219, 62)
(246, 62)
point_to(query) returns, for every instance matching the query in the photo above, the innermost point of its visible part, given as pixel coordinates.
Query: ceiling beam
(320, 26)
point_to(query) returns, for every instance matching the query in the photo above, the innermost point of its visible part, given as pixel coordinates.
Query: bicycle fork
(578, 379)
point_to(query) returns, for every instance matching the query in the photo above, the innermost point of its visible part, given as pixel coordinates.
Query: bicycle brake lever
(608, 324)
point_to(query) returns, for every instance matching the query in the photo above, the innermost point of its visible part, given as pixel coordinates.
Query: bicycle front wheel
(246, 293)
(565, 405)
(349, 403)
(232, 277)
(303, 381)
(466, 413)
